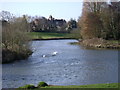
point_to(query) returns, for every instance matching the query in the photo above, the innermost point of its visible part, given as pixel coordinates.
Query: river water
(72, 65)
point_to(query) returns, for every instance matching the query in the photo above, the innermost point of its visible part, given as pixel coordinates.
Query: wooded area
(100, 20)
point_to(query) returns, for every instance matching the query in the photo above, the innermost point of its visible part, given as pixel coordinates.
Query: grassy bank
(44, 85)
(100, 43)
(48, 35)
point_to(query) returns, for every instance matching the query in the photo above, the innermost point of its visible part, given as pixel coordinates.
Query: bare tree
(15, 38)
(90, 22)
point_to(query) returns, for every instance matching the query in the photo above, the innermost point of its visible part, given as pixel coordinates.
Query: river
(72, 65)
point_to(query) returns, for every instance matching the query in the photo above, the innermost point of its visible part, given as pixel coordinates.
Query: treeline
(15, 40)
(100, 20)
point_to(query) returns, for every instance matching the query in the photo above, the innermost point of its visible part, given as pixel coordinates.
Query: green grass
(46, 35)
(97, 86)
(28, 86)
(109, 85)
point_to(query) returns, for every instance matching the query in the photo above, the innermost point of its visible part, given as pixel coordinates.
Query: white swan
(48, 55)
(43, 55)
(54, 53)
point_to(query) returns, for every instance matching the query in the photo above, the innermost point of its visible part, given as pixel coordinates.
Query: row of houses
(50, 25)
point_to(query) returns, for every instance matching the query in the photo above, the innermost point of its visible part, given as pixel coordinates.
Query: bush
(42, 84)
(9, 56)
(15, 39)
(28, 86)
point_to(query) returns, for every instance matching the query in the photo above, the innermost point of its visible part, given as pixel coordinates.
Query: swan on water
(43, 55)
(54, 53)
(48, 55)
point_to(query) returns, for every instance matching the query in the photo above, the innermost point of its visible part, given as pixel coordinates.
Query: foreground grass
(46, 35)
(109, 85)
(44, 85)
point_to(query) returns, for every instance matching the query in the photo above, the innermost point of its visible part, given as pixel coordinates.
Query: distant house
(51, 24)
(57, 22)
(60, 22)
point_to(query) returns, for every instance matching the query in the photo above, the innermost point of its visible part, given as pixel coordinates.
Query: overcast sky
(60, 10)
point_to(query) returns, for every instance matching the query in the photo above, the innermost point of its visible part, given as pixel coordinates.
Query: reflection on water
(71, 66)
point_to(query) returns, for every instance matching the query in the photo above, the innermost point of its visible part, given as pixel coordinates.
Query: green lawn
(109, 85)
(83, 87)
(46, 35)
(105, 85)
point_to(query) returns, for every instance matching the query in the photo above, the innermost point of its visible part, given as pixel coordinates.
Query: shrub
(15, 38)
(42, 84)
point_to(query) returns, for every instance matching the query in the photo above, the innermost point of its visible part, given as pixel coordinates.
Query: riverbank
(95, 43)
(100, 43)
(9, 56)
(50, 36)
(45, 85)
(52, 39)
